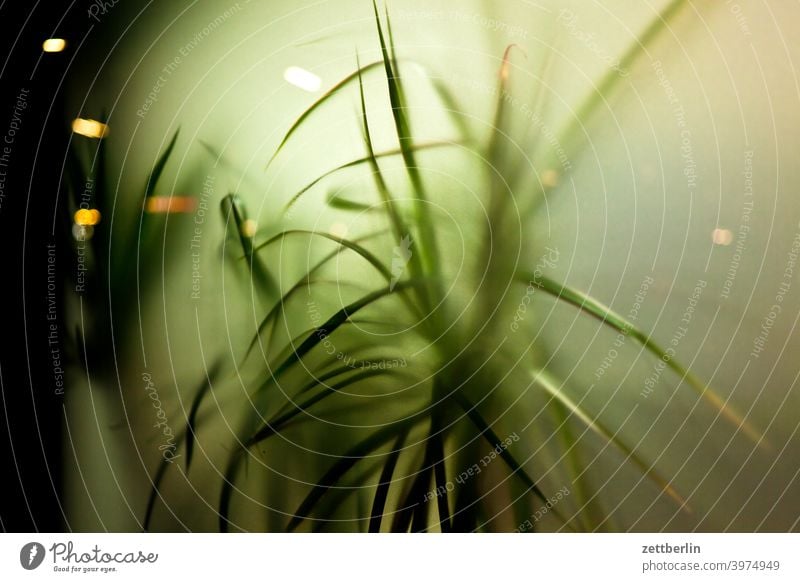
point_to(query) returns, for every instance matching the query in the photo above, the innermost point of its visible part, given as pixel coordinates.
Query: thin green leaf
(339, 203)
(336, 498)
(306, 280)
(592, 514)
(617, 322)
(550, 386)
(397, 223)
(319, 102)
(440, 478)
(234, 463)
(316, 335)
(366, 364)
(385, 481)
(191, 421)
(158, 168)
(428, 248)
(141, 241)
(353, 246)
(155, 493)
(232, 205)
(333, 323)
(387, 154)
(415, 507)
(495, 150)
(486, 431)
(279, 305)
(188, 435)
(273, 426)
(412, 515)
(347, 462)
(636, 50)
(453, 109)
(410, 499)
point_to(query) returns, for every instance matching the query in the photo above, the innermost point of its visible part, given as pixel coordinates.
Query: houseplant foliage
(400, 381)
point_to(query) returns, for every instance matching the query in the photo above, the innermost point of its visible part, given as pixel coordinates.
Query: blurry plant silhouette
(107, 278)
(399, 372)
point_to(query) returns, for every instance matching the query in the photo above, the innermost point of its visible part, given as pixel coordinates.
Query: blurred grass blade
(397, 223)
(329, 375)
(616, 321)
(347, 462)
(276, 309)
(487, 433)
(353, 246)
(191, 421)
(188, 435)
(453, 109)
(367, 364)
(440, 479)
(155, 493)
(495, 150)
(158, 168)
(272, 427)
(413, 508)
(545, 381)
(358, 162)
(140, 242)
(306, 280)
(592, 515)
(636, 50)
(319, 102)
(516, 469)
(339, 203)
(333, 323)
(232, 205)
(428, 250)
(385, 481)
(234, 463)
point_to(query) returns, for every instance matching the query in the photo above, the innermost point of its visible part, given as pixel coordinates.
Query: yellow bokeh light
(339, 229)
(249, 228)
(54, 45)
(549, 179)
(87, 217)
(722, 236)
(90, 128)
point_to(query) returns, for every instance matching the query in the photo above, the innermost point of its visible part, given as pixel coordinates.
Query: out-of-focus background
(675, 203)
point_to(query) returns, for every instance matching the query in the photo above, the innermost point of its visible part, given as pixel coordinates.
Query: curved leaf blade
(550, 386)
(614, 320)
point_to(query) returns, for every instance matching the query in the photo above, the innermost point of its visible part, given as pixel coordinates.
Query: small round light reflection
(722, 236)
(249, 228)
(549, 179)
(54, 45)
(87, 217)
